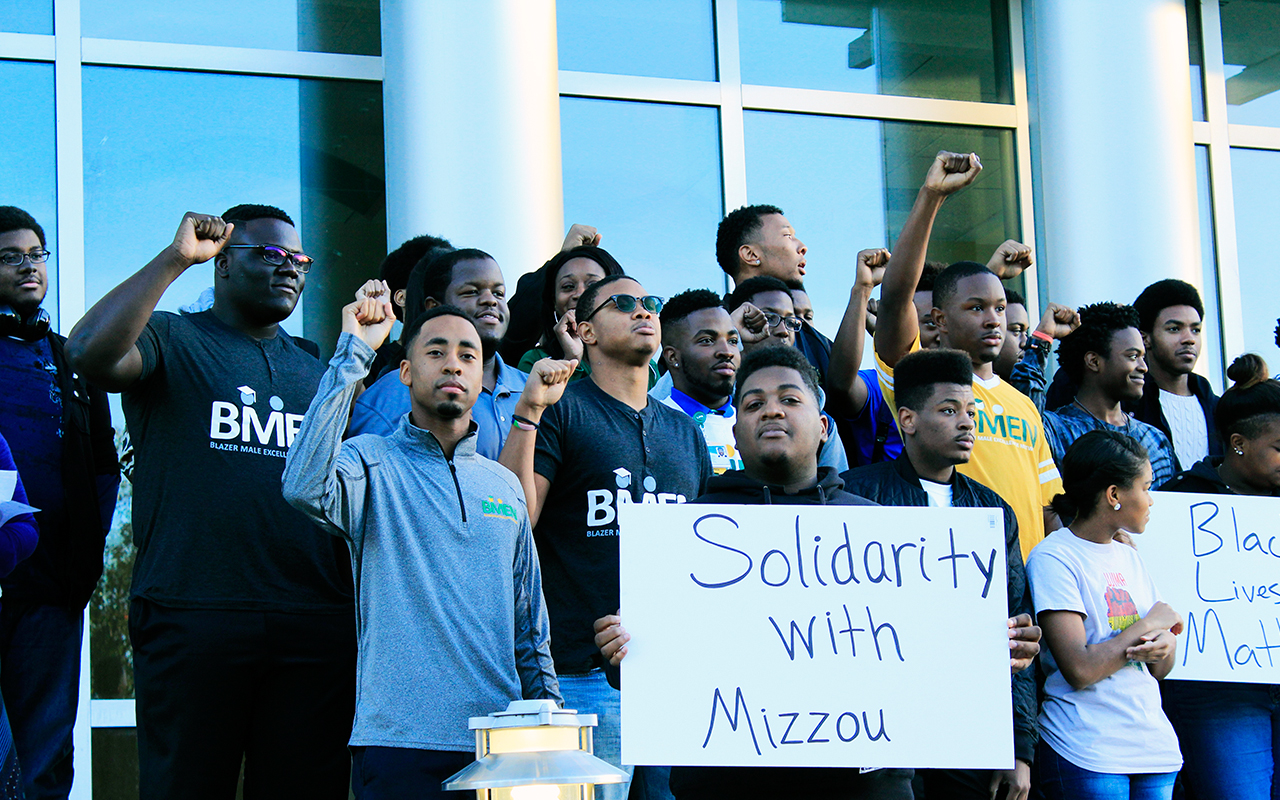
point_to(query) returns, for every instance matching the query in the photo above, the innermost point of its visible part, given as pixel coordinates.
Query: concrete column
(472, 115)
(1112, 110)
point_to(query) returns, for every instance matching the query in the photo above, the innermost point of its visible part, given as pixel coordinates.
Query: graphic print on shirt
(602, 504)
(1121, 610)
(242, 427)
(498, 508)
(994, 425)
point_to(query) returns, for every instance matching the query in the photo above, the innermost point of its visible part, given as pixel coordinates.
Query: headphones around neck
(29, 329)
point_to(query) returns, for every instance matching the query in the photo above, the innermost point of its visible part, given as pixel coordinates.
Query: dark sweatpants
(216, 686)
(402, 773)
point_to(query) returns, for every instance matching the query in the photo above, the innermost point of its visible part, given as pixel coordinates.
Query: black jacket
(737, 487)
(1202, 478)
(65, 568)
(895, 483)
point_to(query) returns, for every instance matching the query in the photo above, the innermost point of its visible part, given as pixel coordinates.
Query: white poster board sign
(815, 636)
(1216, 559)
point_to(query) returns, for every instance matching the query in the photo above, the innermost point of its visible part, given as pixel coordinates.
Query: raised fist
(751, 324)
(579, 235)
(951, 172)
(1058, 320)
(871, 264)
(547, 381)
(370, 316)
(1010, 260)
(200, 237)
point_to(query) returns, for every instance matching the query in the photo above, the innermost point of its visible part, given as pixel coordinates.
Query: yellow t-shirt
(1011, 455)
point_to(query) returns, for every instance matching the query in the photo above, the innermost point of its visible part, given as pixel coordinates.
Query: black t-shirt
(211, 420)
(595, 450)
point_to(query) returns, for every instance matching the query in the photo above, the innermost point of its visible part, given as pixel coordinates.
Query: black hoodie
(738, 488)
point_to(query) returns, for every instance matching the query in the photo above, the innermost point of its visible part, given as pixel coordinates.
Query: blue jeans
(592, 694)
(1230, 735)
(1062, 780)
(40, 681)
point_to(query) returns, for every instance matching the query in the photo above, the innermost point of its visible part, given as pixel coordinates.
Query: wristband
(523, 423)
(1042, 336)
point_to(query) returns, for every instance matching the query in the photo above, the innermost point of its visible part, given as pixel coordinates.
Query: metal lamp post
(534, 751)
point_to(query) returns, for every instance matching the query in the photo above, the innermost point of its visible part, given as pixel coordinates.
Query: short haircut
(415, 327)
(777, 355)
(1162, 294)
(752, 287)
(13, 218)
(438, 273)
(930, 273)
(797, 286)
(590, 297)
(944, 286)
(1096, 460)
(917, 373)
(1251, 402)
(682, 305)
(248, 212)
(547, 312)
(400, 262)
(1013, 296)
(1098, 323)
(735, 230)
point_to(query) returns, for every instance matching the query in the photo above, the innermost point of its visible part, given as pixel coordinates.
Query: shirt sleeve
(1047, 469)
(1160, 453)
(549, 451)
(152, 342)
(1054, 586)
(884, 376)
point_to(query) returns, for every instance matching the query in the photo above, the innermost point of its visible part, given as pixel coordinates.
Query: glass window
(1211, 348)
(27, 16)
(957, 50)
(656, 38)
(27, 158)
(1254, 176)
(1195, 48)
(648, 177)
(1251, 50)
(332, 26)
(155, 147)
(847, 185)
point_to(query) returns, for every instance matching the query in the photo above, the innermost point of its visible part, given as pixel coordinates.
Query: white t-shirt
(1116, 725)
(939, 493)
(1187, 424)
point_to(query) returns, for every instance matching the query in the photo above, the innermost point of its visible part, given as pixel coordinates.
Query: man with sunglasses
(605, 443)
(60, 432)
(241, 616)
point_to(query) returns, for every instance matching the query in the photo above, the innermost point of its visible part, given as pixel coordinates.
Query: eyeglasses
(15, 259)
(276, 256)
(626, 303)
(774, 320)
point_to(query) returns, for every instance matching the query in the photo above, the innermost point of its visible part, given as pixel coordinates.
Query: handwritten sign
(1216, 559)
(815, 636)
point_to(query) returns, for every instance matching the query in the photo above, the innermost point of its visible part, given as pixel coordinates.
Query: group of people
(355, 559)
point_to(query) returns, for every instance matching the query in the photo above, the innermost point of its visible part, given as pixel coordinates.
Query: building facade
(1126, 142)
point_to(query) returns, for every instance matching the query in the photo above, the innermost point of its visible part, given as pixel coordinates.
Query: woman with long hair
(1229, 730)
(1109, 637)
(566, 277)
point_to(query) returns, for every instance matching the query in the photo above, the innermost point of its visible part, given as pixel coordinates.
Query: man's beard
(449, 409)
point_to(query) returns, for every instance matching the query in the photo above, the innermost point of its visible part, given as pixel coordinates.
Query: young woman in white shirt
(1103, 735)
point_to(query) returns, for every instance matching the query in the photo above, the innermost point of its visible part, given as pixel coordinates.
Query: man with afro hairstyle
(1106, 358)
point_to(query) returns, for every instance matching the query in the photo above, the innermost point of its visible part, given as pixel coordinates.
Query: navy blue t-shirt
(598, 451)
(211, 421)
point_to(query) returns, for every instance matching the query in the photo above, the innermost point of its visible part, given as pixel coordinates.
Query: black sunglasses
(626, 303)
